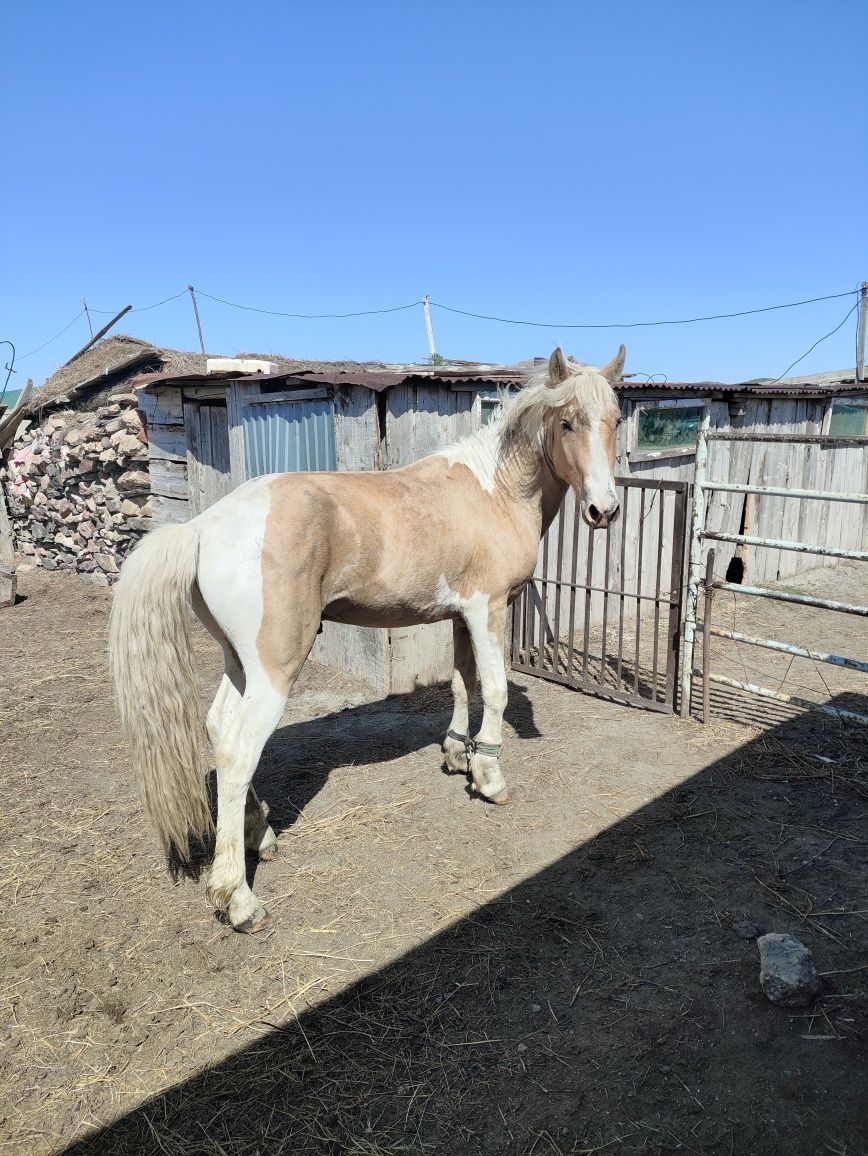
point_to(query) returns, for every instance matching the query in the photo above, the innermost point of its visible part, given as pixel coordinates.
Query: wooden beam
(8, 579)
(101, 333)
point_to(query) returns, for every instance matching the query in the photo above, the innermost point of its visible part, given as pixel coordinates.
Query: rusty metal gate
(602, 613)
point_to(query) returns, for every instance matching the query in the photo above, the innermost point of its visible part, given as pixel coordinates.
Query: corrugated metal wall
(281, 437)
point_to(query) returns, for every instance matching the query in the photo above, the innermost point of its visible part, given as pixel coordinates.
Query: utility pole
(87, 314)
(198, 322)
(431, 347)
(860, 336)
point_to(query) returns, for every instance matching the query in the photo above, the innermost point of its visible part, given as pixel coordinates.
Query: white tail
(151, 658)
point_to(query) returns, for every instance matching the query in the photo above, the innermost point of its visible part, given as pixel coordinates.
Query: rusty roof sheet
(379, 380)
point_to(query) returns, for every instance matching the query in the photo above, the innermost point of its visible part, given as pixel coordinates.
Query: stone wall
(78, 490)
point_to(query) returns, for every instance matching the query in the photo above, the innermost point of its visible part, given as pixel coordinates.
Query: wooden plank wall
(360, 652)
(206, 428)
(167, 453)
(420, 420)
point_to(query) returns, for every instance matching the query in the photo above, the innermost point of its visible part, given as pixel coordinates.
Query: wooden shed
(208, 432)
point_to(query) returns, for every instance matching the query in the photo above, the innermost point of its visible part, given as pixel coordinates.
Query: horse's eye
(565, 425)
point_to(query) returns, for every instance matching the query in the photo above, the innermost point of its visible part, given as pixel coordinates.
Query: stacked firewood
(78, 491)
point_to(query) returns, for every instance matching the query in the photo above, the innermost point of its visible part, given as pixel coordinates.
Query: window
(848, 417)
(666, 430)
(488, 407)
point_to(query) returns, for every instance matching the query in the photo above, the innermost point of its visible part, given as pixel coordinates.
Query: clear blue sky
(565, 162)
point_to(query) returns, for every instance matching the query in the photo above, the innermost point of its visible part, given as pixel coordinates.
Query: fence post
(706, 637)
(694, 577)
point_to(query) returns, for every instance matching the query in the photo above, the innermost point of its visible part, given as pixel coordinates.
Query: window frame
(686, 451)
(857, 401)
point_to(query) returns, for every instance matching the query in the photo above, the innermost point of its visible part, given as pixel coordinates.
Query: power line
(641, 324)
(309, 316)
(54, 338)
(814, 346)
(144, 308)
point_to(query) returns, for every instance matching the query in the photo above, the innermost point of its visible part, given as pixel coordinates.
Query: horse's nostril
(594, 513)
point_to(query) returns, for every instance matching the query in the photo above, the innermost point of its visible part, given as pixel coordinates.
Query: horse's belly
(394, 613)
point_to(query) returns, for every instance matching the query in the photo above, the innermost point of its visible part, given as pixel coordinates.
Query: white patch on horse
(479, 453)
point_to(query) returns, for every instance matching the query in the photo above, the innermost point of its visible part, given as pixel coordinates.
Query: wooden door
(207, 428)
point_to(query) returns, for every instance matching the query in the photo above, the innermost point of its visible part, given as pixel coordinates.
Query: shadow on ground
(299, 757)
(609, 1003)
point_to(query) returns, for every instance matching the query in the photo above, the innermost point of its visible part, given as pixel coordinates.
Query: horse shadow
(300, 756)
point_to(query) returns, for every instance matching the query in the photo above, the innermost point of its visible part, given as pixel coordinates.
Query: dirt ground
(577, 973)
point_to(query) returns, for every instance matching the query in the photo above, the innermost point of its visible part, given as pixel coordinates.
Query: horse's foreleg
(487, 626)
(463, 691)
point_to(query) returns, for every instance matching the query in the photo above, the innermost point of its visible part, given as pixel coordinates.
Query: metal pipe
(801, 599)
(784, 492)
(792, 439)
(695, 566)
(779, 696)
(707, 631)
(775, 544)
(788, 648)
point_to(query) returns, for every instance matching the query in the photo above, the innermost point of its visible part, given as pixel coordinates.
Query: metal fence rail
(584, 588)
(703, 485)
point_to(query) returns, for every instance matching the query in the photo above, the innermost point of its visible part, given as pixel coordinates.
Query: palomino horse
(453, 536)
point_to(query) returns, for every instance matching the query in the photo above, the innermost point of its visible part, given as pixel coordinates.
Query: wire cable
(308, 316)
(54, 338)
(814, 346)
(641, 324)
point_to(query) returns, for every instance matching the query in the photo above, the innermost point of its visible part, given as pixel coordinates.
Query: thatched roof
(110, 365)
(105, 368)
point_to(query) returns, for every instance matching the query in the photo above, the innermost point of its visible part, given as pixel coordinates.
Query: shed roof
(121, 361)
(114, 361)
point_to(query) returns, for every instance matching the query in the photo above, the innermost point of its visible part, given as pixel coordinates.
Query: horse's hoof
(268, 853)
(252, 926)
(501, 800)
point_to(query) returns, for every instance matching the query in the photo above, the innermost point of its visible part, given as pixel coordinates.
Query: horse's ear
(558, 368)
(614, 370)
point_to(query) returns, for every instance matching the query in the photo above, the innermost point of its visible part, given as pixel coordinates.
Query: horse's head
(581, 438)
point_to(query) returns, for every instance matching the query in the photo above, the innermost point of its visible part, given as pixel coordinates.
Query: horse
(454, 536)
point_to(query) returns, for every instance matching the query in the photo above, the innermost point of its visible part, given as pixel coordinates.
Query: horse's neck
(528, 480)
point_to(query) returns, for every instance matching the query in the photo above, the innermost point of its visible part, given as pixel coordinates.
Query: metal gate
(703, 485)
(602, 613)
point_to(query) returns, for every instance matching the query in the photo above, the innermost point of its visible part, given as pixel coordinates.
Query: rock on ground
(787, 972)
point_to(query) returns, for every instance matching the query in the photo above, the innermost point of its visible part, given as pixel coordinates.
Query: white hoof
(488, 778)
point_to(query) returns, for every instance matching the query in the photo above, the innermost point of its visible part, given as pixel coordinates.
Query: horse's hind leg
(258, 835)
(237, 755)
(463, 691)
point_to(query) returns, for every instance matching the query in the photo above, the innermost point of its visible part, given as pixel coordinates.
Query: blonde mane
(520, 419)
(526, 413)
